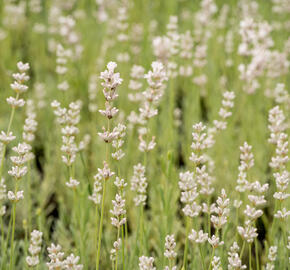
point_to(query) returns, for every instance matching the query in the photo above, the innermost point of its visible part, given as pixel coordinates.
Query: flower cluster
(68, 118)
(122, 36)
(214, 241)
(61, 67)
(139, 184)
(271, 258)
(116, 247)
(246, 162)
(118, 142)
(216, 263)
(224, 112)
(3, 196)
(235, 263)
(111, 81)
(18, 86)
(19, 169)
(279, 138)
(186, 54)
(152, 96)
(135, 83)
(248, 233)
(170, 253)
(103, 175)
(189, 193)
(198, 237)
(256, 42)
(58, 262)
(34, 248)
(146, 263)
(222, 210)
(30, 124)
(118, 211)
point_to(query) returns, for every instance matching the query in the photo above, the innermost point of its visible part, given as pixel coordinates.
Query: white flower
(215, 241)
(216, 263)
(146, 263)
(34, 248)
(282, 214)
(15, 197)
(111, 81)
(157, 76)
(23, 67)
(15, 102)
(170, 246)
(73, 183)
(139, 184)
(252, 213)
(2, 190)
(18, 172)
(105, 173)
(248, 232)
(198, 237)
(6, 138)
(118, 211)
(71, 263)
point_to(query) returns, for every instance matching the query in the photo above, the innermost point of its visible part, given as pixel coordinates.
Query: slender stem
(237, 222)
(118, 235)
(3, 262)
(123, 248)
(141, 228)
(257, 254)
(2, 233)
(273, 227)
(13, 228)
(101, 226)
(96, 231)
(208, 217)
(26, 242)
(243, 248)
(186, 243)
(8, 130)
(78, 223)
(250, 257)
(212, 254)
(103, 204)
(202, 257)
(29, 197)
(12, 236)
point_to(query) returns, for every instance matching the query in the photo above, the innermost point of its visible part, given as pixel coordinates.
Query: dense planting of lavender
(144, 134)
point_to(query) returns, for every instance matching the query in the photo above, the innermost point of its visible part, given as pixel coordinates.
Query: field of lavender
(147, 135)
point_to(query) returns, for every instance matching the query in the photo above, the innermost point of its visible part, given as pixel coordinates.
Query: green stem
(142, 228)
(13, 228)
(201, 256)
(242, 251)
(29, 197)
(208, 217)
(3, 261)
(186, 243)
(12, 236)
(101, 227)
(118, 235)
(257, 254)
(273, 227)
(212, 254)
(8, 130)
(96, 231)
(123, 248)
(250, 257)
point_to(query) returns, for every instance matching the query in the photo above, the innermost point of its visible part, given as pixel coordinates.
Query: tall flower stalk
(111, 81)
(19, 87)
